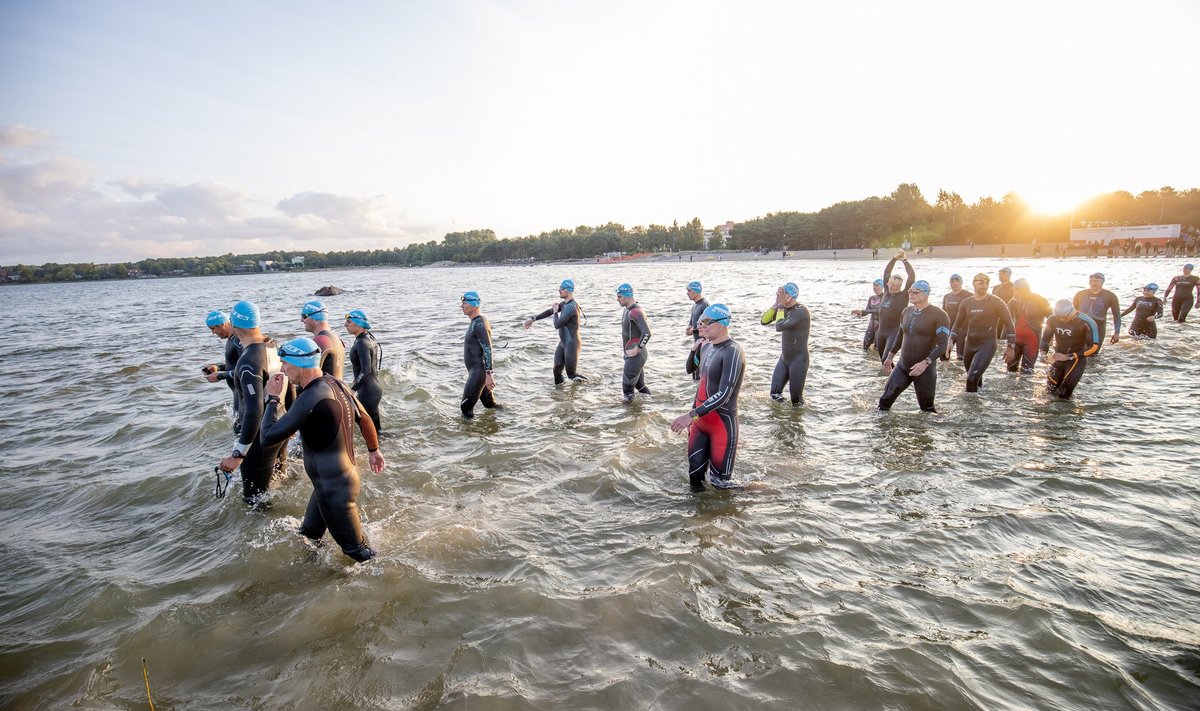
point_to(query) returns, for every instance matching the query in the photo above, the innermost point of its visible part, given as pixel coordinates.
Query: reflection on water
(1011, 551)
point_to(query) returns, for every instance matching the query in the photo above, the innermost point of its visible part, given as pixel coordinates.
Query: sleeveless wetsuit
(1078, 337)
(634, 332)
(366, 358)
(923, 335)
(324, 414)
(872, 310)
(950, 304)
(477, 356)
(980, 319)
(333, 358)
(1144, 307)
(566, 355)
(1185, 295)
(694, 321)
(891, 306)
(1028, 315)
(713, 439)
(792, 365)
(253, 370)
(1097, 306)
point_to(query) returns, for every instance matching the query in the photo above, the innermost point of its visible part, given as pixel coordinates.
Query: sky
(133, 129)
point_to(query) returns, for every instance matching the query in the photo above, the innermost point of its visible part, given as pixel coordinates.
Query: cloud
(53, 210)
(20, 136)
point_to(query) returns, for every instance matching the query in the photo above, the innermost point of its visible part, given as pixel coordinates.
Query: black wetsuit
(981, 319)
(1078, 337)
(566, 356)
(891, 306)
(324, 414)
(1097, 306)
(1185, 295)
(1028, 314)
(950, 304)
(477, 356)
(233, 351)
(1004, 291)
(792, 366)
(713, 439)
(253, 370)
(366, 358)
(333, 358)
(1144, 307)
(923, 335)
(694, 321)
(871, 310)
(634, 332)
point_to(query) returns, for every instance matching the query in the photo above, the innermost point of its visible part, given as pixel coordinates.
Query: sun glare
(1052, 201)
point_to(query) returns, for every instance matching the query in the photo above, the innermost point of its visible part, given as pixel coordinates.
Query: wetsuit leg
(698, 458)
(1064, 376)
(779, 378)
(1181, 304)
(882, 338)
(1142, 327)
(722, 449)
(472, 391)
(925, 386)
(978, 358)
(1102, 328)
(571, 357)
(313, 526)
(798, 373)
(632, 377)
(869, 336)
(257, 467)
(559, 364)
(337, 502)
(897, 383)
(1025, 350)
(370, 395)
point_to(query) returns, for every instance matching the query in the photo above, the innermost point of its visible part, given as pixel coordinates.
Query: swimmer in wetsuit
(1076, 336)
(366, 359)
(635, 334)
(699, 303)
(893, 303)
(1096, 301)
(333, 352)
(1147, 308)
(713, 421)
(791, 320)
(566, 315)
(872, 310)
(950, 303)
(254, 368)
(218, 323)
(980, 317)
(1006, 288)
(1185, 295)
(477, 356)
(923, 335)
(1028, 311)
(324, 414)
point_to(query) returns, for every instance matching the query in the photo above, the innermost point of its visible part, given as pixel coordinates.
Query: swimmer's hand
(212, 377)
(856, 312)
(681, 423)
(901, 256)
(277, 384)
(689, 330)
(377, 463)
(919, 368)
(699, 342)
(1060, 357)
(208, 369)
(632, 352)
(888, 366)
(229, 464)
(528, 323)
(1115, 337)
(489, 382)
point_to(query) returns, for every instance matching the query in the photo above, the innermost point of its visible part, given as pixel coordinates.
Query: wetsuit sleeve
(545, 314)
(485, 343)
(797, 318)
(731, 370)
(897, 340)
(1132, 306)
(769, 316)
(1010, 333)
(912, 275)
(693, 361)
(1091, 337)
(1159, 312)
(277, 429)
(639, 317)
(1077, 300)
(1115, 306)
(1047, 334)
(565, 313)
(359, 358)
(252, 406)
(941, 337)
(1174, 281)
(366, 426)
(959, 317)
(887, 271)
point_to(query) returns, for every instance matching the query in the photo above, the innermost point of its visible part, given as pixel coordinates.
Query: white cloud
(20, 136)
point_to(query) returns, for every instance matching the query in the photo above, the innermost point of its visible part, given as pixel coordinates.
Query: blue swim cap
(472, 298)
(244, 315)
(954, 277)
(301, 352)
(695, 286)
(921, 285)
(359, 317)
(313, 309)
(791, 289)
(1098, 275)
(215, 318)
(877, 282)
(1151, 287)
(625, 290)
(568, 285)
(1063, 308)
(718, 313)
(1189, 266)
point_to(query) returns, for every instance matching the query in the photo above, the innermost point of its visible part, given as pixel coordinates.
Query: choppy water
(1007, 553)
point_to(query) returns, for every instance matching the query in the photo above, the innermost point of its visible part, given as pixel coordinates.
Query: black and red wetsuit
(712, 441)
(1028, 314)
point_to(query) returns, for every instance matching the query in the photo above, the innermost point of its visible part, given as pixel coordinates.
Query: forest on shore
(904, 215)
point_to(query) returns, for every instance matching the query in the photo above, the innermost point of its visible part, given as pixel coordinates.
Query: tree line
(904, 215)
